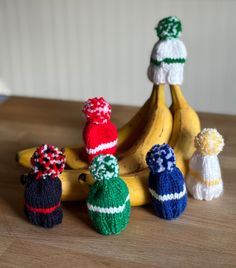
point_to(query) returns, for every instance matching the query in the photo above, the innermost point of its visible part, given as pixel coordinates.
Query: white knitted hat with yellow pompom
(204, 180)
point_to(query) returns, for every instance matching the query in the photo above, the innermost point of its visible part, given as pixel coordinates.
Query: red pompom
(47, 161)
(97, 110)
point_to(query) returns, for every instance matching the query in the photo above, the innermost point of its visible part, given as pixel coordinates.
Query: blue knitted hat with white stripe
(166, 183)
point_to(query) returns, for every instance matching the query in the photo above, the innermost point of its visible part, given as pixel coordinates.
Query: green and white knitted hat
(169, 27)
(108, 200)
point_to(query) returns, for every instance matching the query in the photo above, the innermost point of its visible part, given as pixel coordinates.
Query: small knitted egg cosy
(169, 53)
(204, 180)
(108, 200)
(100, 134)
(43, 187)
(166, 183)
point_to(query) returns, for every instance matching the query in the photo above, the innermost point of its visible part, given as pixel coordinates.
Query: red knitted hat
(97, 110)
(100, 134)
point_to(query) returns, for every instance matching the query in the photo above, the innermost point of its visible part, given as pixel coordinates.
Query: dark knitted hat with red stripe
(43, 187)
(100, 134)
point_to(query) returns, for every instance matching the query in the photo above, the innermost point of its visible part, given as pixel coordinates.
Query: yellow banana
(24, 157)
(75, 190)
(186, 126)
(72, 188)
(152, 126)
(73, 157)
(156, 131)
(129, 133)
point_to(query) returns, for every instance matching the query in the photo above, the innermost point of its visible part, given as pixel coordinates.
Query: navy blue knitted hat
(166, 183)
(43, 187)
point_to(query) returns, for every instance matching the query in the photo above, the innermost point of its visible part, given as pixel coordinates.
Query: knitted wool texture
(166, 183)
(43, 187)
(108, 200)
(169, 54)
(204, 180)
(100, 134)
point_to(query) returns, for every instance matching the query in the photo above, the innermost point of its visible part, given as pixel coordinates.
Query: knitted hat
(169, 27)
(166, 183)
(43, 187)
(100, 134)
(168, 54)
(204, 180)
(108, 201)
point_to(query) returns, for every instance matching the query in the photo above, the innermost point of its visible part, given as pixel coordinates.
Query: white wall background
(75, 49)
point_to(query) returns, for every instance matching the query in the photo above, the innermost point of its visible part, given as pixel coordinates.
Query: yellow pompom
(209, 142)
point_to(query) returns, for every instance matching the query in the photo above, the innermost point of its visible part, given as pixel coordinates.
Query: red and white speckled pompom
(47, 161)
(97, 110)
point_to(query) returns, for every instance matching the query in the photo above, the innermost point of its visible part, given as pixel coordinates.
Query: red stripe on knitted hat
(43, 210)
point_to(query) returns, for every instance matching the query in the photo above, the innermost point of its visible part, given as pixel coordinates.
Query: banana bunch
(186, 125)
(153, 124)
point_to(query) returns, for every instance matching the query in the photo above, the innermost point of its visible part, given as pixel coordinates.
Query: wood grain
(204, 236)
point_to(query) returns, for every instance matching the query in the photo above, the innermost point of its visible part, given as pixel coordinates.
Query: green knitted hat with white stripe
(108, 200)
(169, 28)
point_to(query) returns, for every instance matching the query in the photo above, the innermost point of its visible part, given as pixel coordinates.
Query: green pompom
(104, 167)
(169, 27)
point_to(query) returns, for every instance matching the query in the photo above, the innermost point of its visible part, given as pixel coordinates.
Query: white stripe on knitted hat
(102, 147)
(110, 210)
(168, 197)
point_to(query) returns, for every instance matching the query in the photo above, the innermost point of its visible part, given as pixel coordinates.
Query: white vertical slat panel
(12, 53)
(23, 34)
(5, 55)
(72, 20)
(75, 49)
(48, 49)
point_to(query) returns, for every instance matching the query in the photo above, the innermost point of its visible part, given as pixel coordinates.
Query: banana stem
(153, 93)
(178, 99)
(159, 98)
(86, 178)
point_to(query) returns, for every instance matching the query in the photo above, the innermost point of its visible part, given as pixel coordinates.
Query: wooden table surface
(205, 236)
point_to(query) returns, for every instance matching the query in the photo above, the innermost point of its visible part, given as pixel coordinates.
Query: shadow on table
(78, 210)
(14, 202)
